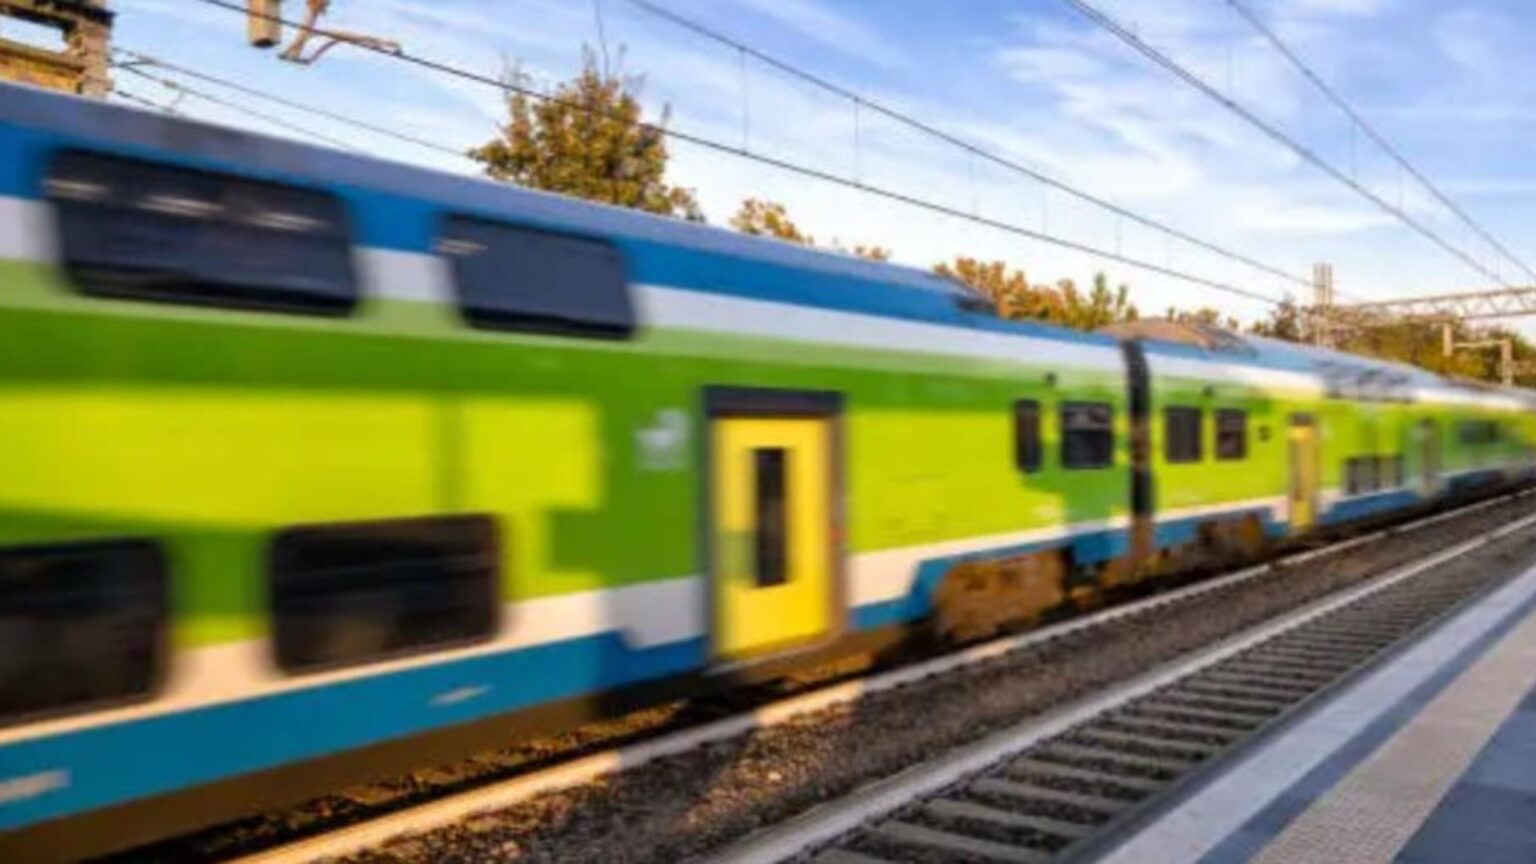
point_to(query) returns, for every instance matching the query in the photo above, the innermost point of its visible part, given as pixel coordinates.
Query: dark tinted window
(1362, 475)
(353, 593)
(1181, 430)
(141, 230)
(1231, 434)
(1087, 434)
(514, 278)
(1478, 432)
(81, 626)
(1026, 435)
(1389, 474)
(770, 467)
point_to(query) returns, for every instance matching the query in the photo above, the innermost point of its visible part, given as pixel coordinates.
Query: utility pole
(79, 65)
(1322, 305)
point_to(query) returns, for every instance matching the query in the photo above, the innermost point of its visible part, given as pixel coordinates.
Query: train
(316, 467)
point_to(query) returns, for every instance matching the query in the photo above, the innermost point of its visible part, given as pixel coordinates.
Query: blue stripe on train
(1373, 504)
(140, 758)
(161, 754)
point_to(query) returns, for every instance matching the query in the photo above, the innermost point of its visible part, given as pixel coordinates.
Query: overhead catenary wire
(1280, 46)
(1183, 73)
(181, 87)
(972, 150)
(153, 61)
(507, 86)
(134, 98)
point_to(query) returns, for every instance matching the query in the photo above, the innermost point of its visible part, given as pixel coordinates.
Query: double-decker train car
(315, 467)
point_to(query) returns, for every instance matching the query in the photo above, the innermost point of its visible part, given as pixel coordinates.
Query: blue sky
(1031, 79)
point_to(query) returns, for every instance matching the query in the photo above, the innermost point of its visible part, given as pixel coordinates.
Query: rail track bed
(1069, 795)
(740, 777)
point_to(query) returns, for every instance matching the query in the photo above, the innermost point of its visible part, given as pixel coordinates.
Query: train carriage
(314, 467)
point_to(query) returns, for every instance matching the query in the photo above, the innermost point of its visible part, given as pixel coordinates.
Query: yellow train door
(1304, 467)
(772, 543)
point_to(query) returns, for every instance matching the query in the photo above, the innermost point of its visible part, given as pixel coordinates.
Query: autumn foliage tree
(1012, 296)
(588, 139)
(770, 219)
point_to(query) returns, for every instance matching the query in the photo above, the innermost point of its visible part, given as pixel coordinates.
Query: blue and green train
(313, 466)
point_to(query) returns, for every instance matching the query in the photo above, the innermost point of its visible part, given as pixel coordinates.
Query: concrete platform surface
(1428, 759)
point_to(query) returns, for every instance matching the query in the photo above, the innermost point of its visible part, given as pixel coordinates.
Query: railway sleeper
(1021, 828)
(1094, 808)
(1112, 762)
(1220, 719)
(1343, 637)
(1148, 745)
(1215, 690)
(1173, 730)
(1229, 698)
(905, 834)
(1275, 684)
(1258, 710)
(1119, 785)
(848, 856)
(1310, 659)
(1256, 666)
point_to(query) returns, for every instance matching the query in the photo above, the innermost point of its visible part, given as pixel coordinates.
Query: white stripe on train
(646, 615)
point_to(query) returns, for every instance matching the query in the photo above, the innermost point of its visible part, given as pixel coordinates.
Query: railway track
(1065, 788)
(1206, 726)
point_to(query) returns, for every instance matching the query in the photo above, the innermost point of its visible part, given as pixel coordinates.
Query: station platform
(1430, 758)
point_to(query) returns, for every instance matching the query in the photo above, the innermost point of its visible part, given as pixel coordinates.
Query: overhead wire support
(1363, 125)
(969, 148)
(1173, 67)
(701, 141)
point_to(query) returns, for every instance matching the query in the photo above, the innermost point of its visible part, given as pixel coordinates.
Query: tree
(586, 140)
(1012, 296)
(1285, 322)
(771, 219)
(1205, 316)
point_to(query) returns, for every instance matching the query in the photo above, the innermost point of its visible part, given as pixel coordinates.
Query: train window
(1477, 432)
(1026, 435)
(353, 593)
(1389, 474)
(1181, 434)
(514, 278)
(1362, 475)
(1087, 435)
(82, 625)
(770, 466)
(140, 230)
(1231, 434)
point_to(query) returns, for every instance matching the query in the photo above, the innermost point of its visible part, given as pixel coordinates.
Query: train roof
(401, 205)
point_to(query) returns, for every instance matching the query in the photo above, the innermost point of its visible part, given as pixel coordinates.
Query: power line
(701, 141)
(862, 102)
(179, 87)
(1339, 102)
(150, 60)
(1124, 34)
(126, 96)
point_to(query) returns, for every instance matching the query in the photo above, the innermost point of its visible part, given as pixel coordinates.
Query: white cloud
(819, 21)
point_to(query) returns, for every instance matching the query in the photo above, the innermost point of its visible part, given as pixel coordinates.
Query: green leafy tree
(1286, 322)
(587, 140)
